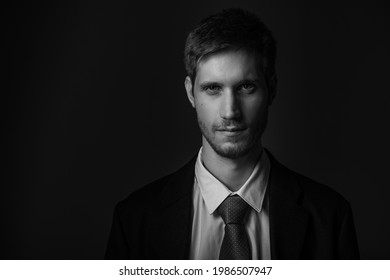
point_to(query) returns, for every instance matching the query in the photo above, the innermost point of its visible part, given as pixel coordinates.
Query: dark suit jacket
(307, 220)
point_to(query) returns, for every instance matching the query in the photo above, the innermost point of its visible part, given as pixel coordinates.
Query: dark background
(95, 107)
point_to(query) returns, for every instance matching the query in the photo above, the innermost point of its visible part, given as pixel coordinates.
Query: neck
(233, 173)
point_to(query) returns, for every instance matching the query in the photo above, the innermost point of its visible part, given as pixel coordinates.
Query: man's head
(227, 30)
(230, 61)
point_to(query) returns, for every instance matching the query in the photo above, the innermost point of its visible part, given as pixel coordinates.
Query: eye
(247, 88)
(212, 89)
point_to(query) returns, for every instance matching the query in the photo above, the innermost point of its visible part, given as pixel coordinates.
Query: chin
(232, 150)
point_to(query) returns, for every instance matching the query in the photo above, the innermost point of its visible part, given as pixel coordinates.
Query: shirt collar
(214, 192)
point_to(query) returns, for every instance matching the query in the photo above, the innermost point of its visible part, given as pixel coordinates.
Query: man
(233, 200)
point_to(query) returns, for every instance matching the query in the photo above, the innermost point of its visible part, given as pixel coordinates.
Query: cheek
(205, 112)
(255, 108)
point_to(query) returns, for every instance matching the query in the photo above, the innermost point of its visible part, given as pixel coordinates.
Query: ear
(272, 89)
(189, 89)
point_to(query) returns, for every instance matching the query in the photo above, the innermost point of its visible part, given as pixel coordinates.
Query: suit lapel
(174, 223)
(288, 220)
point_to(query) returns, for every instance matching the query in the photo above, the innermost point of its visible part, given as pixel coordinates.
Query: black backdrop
(95, 107)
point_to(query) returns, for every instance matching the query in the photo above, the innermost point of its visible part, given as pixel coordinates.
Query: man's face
(231, 101)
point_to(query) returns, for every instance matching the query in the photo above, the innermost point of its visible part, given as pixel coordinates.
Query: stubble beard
(238, 148)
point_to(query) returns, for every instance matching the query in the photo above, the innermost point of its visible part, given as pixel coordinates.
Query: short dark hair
(230, 29)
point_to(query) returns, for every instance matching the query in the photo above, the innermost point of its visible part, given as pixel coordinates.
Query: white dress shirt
(208, 227)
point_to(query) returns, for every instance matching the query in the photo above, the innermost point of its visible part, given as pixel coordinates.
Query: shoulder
(322, 198)
(315, 190)
(153, 195)
(308, 192)
(145, 195)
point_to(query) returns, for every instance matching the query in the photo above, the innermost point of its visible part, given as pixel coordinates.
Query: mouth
(231, 131)
(232, 128)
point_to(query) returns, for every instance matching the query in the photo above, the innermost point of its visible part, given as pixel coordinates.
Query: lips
(232, 129)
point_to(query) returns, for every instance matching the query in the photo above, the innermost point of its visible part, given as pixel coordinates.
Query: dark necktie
(235, 244)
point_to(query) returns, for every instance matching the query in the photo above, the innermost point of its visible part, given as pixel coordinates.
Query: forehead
(229, 65)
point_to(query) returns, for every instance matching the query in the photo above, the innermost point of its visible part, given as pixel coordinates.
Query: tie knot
(233, 210)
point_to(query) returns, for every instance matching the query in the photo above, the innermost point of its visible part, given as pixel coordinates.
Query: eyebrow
(249, 81)
(206, 84)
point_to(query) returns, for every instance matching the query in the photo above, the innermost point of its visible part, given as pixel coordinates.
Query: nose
(230, 107)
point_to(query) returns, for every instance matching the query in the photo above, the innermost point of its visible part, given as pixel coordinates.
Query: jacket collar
(174, 222)
(288, 220)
